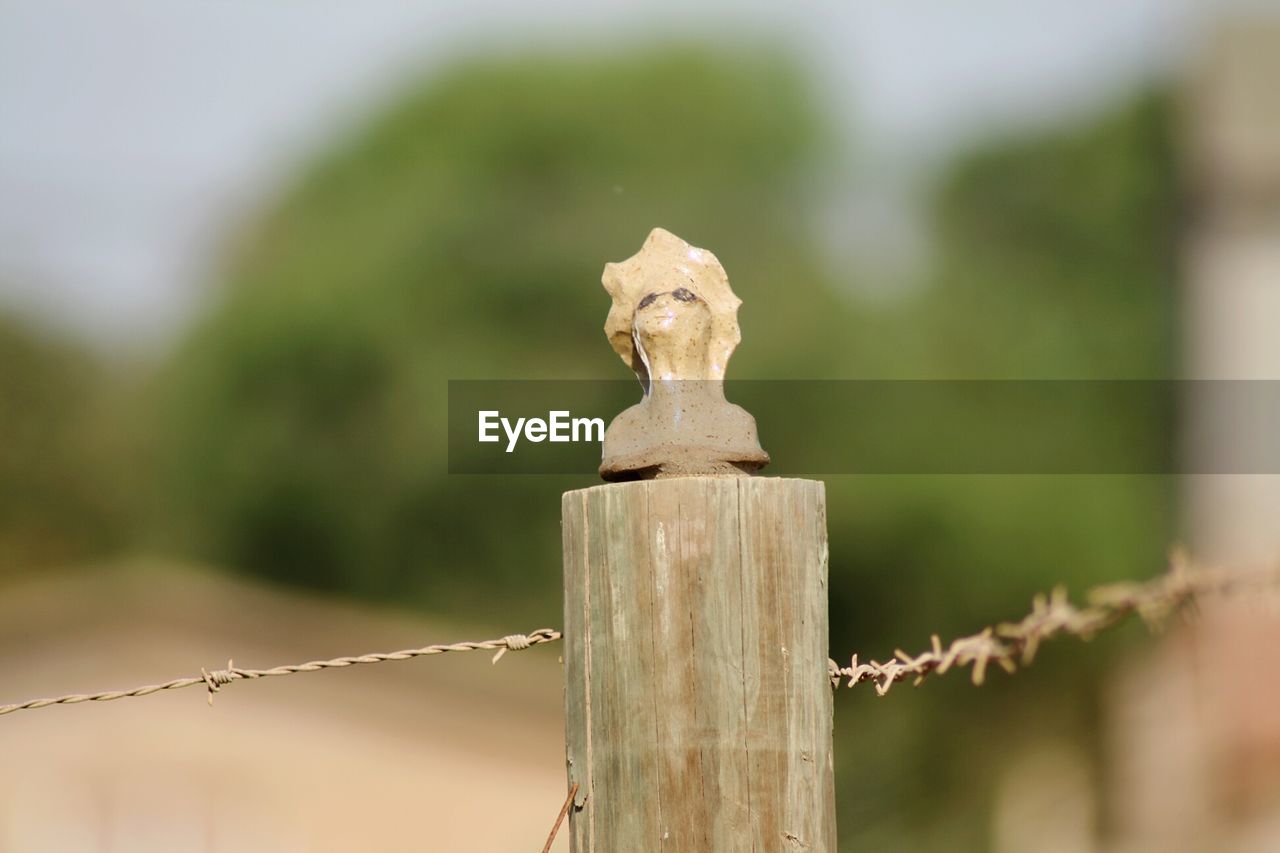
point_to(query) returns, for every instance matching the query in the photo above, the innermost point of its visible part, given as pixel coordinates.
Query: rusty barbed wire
(1010, 644)
(214, 680)
(1005, 645)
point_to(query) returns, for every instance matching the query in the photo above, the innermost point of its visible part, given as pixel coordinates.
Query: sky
(135, 134)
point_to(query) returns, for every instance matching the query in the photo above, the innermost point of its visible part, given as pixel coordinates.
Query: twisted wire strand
(215, 680)
(1005, 645)
(1011, 644)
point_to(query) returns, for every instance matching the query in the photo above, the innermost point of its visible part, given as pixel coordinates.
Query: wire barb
(214, 680)
(512, 642)
(1011, 644)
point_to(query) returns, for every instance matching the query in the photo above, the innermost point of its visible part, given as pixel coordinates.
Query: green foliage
(57, 502)
(462, 236)
(1066, 245)
(1053, 261)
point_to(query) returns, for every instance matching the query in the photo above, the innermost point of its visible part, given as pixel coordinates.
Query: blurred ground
(442, 753)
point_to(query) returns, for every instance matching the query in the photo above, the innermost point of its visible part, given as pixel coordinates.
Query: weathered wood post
(698, 703)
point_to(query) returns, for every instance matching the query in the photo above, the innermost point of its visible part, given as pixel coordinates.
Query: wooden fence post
(697, 697)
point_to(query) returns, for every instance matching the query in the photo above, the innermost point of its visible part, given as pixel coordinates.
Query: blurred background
(243, 246)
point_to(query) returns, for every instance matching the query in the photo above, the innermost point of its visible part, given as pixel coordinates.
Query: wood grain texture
(698, 710)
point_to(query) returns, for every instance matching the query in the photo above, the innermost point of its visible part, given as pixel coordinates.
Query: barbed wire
(214, 680)
(1006, 645)
(1010, 644)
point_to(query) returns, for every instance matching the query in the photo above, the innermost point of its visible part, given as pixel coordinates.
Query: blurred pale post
(1234, 322)
(1233, 281)
(698, 705)
(1197, 736)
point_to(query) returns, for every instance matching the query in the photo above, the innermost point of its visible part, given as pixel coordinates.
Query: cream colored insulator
(674, 321)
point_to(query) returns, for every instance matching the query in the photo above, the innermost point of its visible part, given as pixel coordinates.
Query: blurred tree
(58, 502)
(1054, 261)
(462, 235)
